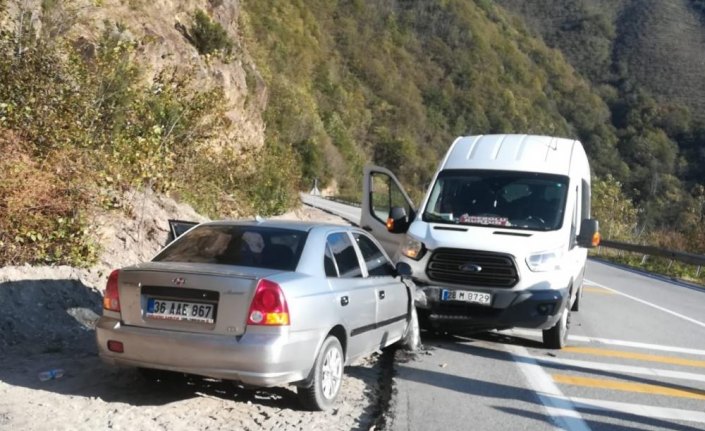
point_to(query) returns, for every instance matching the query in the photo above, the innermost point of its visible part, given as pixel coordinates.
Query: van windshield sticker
(484, 220)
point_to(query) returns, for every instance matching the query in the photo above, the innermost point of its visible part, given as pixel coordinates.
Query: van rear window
(255, 246)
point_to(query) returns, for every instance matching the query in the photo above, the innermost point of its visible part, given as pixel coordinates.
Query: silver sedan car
(263, 303)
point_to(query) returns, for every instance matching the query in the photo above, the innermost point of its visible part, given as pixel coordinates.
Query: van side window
(344, 255)
(385, 195)
(377, 264)
(585, 198)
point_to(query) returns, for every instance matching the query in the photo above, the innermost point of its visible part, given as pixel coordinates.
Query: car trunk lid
(190, 297)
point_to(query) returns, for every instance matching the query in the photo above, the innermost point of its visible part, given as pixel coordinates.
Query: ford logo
(471, 267)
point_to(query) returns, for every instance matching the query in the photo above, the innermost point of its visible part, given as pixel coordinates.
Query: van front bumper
(538, 309)
(254, 358)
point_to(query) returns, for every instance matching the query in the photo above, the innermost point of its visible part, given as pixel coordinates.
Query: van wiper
(437, 218)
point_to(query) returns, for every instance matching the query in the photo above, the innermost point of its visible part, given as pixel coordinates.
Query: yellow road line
(597, 290)
(637, 356)
(628, 387)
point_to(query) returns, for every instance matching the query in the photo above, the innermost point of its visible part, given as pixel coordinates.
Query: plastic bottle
(54, 374)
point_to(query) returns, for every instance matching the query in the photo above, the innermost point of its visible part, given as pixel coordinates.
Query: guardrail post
(697, 272)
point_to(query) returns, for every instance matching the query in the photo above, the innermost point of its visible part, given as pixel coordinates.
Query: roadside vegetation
(81, 123)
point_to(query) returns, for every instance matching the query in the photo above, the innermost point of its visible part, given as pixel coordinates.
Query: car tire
(411, 340)
(556, 336)
(326, 379)
(578, 298)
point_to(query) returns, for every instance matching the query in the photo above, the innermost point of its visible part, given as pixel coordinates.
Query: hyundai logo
(471, 267)
(179, 281)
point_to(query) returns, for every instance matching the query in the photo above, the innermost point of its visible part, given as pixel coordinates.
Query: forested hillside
(394, 81)
(235, 106)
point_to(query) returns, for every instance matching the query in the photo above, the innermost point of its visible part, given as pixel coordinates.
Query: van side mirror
(404, 270)
(589, 236)
(398, 220)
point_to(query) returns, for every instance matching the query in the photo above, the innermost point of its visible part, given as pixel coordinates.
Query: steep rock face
(159, 27)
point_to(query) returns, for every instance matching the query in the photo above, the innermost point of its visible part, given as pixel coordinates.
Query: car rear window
(256, 246)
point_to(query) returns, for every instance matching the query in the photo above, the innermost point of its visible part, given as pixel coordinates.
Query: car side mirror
(398, 220)
(589, 236)
(404, 270)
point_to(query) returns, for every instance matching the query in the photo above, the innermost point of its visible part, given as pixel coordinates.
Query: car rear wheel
(327, 377)
(556, 336)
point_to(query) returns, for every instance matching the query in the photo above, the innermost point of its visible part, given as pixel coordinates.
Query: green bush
(209, 36)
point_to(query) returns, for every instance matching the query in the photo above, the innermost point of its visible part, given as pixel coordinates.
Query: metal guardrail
(689, 258)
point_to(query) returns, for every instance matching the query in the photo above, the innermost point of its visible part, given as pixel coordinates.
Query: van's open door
(177, 228)
(381, 191)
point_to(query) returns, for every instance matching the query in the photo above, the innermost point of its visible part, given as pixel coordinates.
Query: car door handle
(344, 301)
(381, 294)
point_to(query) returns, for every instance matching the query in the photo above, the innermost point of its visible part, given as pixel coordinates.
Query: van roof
(530, 153)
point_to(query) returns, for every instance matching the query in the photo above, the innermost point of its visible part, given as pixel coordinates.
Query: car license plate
(178, 310)
(466, 296)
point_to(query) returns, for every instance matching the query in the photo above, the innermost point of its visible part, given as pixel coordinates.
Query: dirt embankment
(46, 322)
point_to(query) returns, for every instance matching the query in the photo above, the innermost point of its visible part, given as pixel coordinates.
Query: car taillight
(268, 305)
(111, 298)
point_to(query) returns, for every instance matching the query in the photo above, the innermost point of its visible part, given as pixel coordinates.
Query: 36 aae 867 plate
(165, 309)
(466, 296)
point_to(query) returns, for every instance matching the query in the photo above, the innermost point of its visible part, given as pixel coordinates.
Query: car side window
(377, 263)
(344, 255)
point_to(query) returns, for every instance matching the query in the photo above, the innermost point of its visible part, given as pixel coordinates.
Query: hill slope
(657, 44)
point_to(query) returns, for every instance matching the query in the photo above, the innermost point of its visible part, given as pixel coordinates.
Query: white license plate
(466, 296)
(179, 310)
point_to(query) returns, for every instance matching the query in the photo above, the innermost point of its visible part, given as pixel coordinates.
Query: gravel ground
(47, 322)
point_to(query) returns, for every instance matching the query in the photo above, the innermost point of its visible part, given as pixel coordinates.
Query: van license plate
(466, 296)
(178, 310)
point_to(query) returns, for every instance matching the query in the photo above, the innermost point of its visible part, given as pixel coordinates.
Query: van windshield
(507, 199)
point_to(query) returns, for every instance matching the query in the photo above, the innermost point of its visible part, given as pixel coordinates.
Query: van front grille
(472, 268)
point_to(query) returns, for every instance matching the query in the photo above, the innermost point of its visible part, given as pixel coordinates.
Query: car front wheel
(327, 377)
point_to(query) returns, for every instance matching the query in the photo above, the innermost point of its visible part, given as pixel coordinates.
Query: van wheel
(578, 297)
(412, 334)
(327, 377)
(556, 336)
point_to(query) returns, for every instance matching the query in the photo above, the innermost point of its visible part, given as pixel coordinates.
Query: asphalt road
(635, 361)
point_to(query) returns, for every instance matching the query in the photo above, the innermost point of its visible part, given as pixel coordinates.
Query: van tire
(411, 340)
(556, 336)
(329, 365)
(578, 297)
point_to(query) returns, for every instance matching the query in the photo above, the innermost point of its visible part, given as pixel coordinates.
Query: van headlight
(412, 248)
(549, 260)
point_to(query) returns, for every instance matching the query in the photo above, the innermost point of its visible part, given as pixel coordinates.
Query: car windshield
(514, 200)
(257, 246)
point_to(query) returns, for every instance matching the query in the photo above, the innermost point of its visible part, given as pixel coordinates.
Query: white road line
(624, 369)
(658, 307)
(558, 407)
(622, 343)
(653, 412)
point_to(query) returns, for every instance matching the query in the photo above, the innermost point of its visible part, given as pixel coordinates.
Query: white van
(500, 238)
